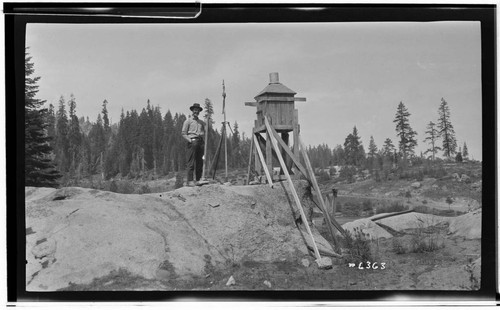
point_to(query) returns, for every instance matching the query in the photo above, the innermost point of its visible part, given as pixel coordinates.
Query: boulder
(467, 225)
(465, 178)
(415, 185)
(412, 220)
(78, 235)
(368, 228)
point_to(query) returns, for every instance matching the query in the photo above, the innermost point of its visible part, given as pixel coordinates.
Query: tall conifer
(38, 167)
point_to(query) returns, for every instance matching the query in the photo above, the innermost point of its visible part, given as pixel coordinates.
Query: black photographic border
(18, 15)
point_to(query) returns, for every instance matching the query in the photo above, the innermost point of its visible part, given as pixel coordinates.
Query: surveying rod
(207, 122)
(224, 112)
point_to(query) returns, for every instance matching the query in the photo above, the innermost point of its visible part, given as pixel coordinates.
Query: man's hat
(196, 106)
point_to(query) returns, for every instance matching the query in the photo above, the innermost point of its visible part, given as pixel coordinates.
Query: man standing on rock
(193, 130)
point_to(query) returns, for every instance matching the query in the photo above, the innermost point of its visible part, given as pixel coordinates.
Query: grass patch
(426, 237)
(357, 247)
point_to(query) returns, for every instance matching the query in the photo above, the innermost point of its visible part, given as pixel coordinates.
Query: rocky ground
(225, 237)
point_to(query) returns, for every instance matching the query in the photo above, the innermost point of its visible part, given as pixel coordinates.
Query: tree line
(140, 144)
(61, 147)
(439, 137)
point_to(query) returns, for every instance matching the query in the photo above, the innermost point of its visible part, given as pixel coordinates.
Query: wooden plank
(318, 191)
(258, 167)
(261, 128)
(281, 99)
(269, 152)
(295, 126)
(391, 214)
(250, 158)
(285, 147)
(263, 162)
(292, 189)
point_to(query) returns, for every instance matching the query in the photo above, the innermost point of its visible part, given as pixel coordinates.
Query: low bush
(351, 209)
(425, 238)
(398, 246)
(357, 247)
(394, 207)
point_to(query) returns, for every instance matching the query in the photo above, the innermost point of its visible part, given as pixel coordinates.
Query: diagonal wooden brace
(285, 147)
(292, 189)
(318, 191)
(261, 157)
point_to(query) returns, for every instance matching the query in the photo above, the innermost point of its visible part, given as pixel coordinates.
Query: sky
(351, 74)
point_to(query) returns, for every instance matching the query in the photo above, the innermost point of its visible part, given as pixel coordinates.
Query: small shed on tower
(276, 102)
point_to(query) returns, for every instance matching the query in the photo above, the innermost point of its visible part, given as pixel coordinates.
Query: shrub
(145, 189)
(347, 173)
(351, 209)
(367, 205)
(398, 246)
(425, 238)
(436, 172)
(113, 187)
(125, 187)
(420, 176)
(357, 247)
(338, 206)
(323, 176)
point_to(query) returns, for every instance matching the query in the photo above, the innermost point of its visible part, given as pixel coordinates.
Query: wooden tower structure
(276, 119)
(276, 102)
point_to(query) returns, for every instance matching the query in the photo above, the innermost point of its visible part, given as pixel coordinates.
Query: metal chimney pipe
(274, 78)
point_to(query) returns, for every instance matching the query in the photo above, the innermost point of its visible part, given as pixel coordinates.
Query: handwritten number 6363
(368, 265)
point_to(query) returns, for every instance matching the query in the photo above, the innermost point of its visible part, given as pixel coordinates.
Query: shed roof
(276, 88)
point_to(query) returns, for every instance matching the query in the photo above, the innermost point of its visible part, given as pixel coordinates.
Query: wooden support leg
(269, 154)
(288, 161)
(295, 125)
(320, 196)
(261, 157)
(292, 189)
(250, 158)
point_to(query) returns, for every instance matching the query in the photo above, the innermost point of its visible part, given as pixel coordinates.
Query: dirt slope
(75, 235)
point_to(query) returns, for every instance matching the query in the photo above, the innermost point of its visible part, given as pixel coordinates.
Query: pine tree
(432, 136)
(157, 123)
(105, 118)
(387, 157)
(168, 138)
(353, 149)
(209, 111)
(38, 167)
(372, 148)
(446, 130)
(51, 125)
(388, 148)
(235, 144)
(372, 153)
(97, 141)
(211, 140)
(145, 133)
(74, 136)
(465, 151)
(338, 155)
(62, 141)
(407, 140)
